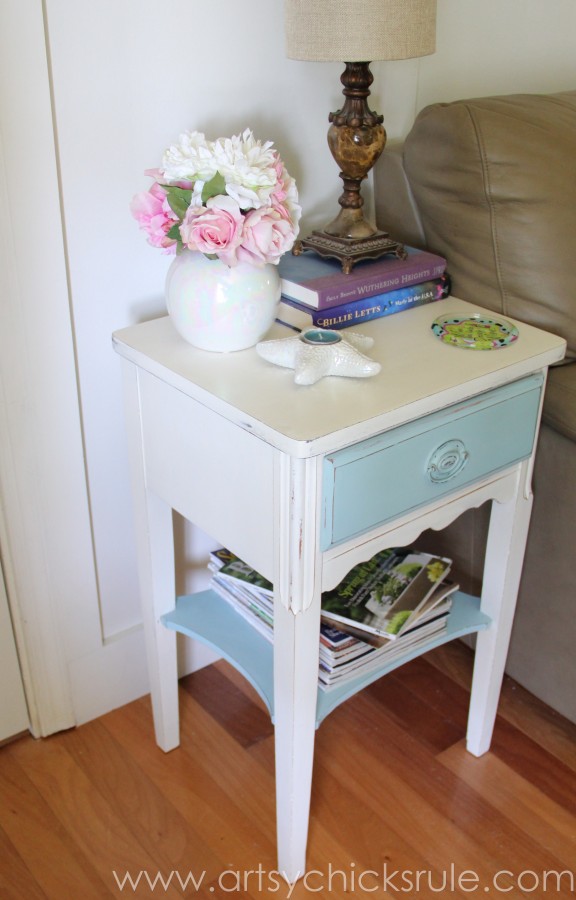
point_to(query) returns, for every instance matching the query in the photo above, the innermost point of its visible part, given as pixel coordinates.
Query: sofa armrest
(560, 400)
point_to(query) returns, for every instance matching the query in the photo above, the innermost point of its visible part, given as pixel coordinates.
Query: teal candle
(320, 336)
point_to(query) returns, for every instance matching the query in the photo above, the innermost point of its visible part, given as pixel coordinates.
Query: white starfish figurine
(317, 352)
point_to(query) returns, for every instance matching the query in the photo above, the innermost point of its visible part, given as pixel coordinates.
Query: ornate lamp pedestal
(356, 138)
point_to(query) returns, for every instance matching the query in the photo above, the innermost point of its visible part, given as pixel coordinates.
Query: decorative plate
(475, 332)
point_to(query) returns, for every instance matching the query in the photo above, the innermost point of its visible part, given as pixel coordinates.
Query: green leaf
(174, 233)
(215, 186)
(178, 198)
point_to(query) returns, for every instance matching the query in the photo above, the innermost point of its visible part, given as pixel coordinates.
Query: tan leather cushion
(494, 180)
(560, 400)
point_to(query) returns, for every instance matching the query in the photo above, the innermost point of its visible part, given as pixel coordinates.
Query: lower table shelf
(208, 618)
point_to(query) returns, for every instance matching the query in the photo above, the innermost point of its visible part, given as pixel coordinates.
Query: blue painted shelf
(208, 618)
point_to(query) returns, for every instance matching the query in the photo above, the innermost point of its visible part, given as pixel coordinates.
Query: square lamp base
(350, 250)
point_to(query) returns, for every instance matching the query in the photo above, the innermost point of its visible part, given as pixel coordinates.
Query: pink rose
(284, 197)
(268, 234)
(154, 216)
(280, 191)
(214, 229)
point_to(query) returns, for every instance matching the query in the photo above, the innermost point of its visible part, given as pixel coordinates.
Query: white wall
(500, 47)
(126, 77)
(483, 47)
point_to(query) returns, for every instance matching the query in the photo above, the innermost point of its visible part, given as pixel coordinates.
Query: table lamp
(356, 32)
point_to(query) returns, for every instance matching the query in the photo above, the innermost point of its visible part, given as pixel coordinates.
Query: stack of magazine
(392, 603)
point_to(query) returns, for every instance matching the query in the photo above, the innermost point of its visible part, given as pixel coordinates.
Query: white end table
(303, 483)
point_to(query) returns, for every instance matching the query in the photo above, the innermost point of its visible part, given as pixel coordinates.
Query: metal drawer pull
(447, 461)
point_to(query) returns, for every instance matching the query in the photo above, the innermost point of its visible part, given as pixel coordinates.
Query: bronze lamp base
(356, 138)
(350, 250)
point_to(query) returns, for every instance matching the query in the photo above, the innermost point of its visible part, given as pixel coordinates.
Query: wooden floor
(394, 792)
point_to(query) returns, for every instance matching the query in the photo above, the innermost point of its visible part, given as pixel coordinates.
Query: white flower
(248, 167)
(292, 205)
(196, 196)
(189, 160)
(247, 198)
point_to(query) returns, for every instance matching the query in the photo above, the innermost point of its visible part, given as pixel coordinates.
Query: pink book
(321, 284)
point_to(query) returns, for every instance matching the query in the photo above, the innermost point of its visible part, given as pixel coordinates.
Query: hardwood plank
(241, 775)
(188, 779)
(411, 706)
(547, 823)
(438, 693)
(356, 849)
(427, 703)
(535, 764)
(244, 720)
(413, 833)
(346, 837)
(539, 722)
(165, 835)
(16, 880)
(263, 751)
(49, 849)
(241, 683)
(222, 784)
(100, 835)
(435, 809)
(372, 835)
(518, 706)
(204, 739)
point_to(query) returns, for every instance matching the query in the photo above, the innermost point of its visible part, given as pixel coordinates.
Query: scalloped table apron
(218, 307)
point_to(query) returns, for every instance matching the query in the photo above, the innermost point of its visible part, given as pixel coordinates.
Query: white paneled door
(65, 509)
(13, 711)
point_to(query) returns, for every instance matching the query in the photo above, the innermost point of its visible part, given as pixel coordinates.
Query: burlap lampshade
(359, 30)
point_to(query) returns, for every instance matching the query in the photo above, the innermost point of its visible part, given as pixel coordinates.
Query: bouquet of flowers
(230, 199)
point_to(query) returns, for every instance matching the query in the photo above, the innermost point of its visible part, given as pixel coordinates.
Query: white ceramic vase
(218, 307)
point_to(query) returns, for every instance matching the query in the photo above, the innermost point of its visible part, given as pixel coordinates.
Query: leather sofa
(490, 183)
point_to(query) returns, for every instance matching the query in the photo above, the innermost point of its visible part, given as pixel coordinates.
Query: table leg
(295, 695)
(505, 547)
(158, 597)
(155, 551)
(297, 597)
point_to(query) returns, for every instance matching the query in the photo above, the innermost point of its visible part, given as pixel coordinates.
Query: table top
(419, 374)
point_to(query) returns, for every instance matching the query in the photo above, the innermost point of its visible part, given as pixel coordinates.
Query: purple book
(321, 284)
(298, 315)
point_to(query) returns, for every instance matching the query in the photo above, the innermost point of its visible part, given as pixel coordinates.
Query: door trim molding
(45, 535)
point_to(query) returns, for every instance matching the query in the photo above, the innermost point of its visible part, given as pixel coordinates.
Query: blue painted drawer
(412, 465)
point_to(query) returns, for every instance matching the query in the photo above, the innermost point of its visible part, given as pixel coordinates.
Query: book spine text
(301, 316)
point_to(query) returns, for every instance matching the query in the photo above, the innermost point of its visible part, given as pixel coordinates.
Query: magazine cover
(386, 595)
(227, 564)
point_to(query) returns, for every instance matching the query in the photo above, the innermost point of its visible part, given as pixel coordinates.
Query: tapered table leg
(505, 547)
(295, 693)
(155, 550)
(297, 598)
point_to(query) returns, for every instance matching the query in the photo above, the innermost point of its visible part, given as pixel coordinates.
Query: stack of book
(396, 601)
(316, 292)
